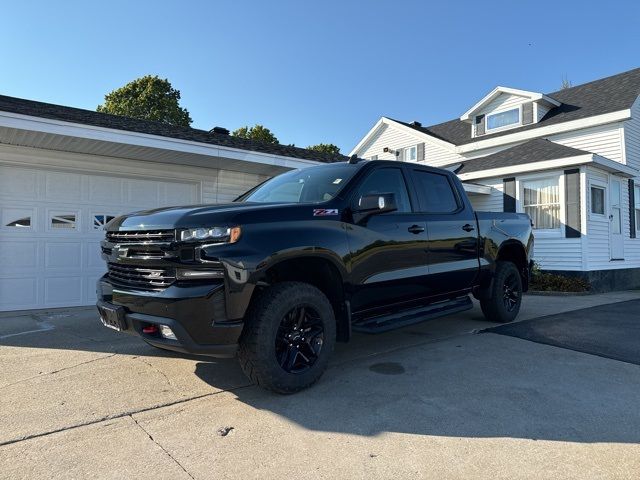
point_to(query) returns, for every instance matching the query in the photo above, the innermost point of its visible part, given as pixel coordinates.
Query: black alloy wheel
(511, 289)
(502, 300)
(299, 339)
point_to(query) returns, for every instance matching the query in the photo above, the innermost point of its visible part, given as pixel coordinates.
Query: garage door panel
(143, 193)
(93, 255)
(67, 255)
(18, 183)
(17, 293)
(64, 187)
(105, 190)
(178, 194)
(18, 255)
(62, 291)
(90, 288)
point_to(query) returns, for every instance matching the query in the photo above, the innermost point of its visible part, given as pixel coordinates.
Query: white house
(65, 172)
(570, 159)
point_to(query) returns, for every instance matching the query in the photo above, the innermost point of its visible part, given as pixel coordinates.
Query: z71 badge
(324, 212)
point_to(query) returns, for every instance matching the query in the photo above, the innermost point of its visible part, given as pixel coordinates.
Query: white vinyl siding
(541, 111)
(489, 203)
(632, 137)
(393, 138)
(502, 102)
(605, 141)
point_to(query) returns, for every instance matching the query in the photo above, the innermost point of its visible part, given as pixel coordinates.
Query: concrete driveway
(428, 401)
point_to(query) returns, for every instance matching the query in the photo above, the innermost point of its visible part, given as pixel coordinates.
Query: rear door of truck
(451, 229)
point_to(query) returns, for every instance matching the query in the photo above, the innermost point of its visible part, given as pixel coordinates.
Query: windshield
(309, 185)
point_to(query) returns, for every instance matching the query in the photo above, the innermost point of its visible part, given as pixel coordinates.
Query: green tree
(328, 148)
(147, 98)
(257, 133)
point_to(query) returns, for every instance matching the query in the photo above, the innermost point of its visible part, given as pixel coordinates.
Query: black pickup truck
(305, 259)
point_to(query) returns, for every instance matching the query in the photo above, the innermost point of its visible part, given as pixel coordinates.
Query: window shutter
(632, 209)
(420, 152)
(527, 113)
(572, 203)
(480, 125)
(374, 157)
(509, 195)
(399, 154)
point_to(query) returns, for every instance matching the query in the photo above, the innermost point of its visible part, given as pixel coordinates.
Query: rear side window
(435, 192)
(387, 180)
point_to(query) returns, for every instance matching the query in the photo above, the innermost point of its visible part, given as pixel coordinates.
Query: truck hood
(190, 216)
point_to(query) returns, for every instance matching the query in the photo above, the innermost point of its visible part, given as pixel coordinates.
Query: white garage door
(51, 227)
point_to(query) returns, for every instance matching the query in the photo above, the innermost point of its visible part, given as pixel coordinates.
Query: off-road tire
(495, 306)
(257, 351)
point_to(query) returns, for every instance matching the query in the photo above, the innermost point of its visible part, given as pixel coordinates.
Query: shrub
(553, 282)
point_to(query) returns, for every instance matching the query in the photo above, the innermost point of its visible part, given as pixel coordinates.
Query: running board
(384, 323)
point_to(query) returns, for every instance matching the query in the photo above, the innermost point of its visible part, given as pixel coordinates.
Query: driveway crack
(149, 364)
(161, 447)
(58, 371)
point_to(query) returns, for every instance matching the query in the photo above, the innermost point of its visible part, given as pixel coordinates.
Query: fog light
(166, 332)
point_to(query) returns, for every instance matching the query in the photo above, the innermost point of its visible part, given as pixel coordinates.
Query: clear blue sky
(313, 71)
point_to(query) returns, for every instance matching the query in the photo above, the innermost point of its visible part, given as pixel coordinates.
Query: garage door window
(17, 218)
(64, 221)
(24, 222)
(100, 221)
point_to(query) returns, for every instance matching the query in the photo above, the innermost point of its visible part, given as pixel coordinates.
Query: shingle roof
(606, 95)
(536, 150)
(98, 119)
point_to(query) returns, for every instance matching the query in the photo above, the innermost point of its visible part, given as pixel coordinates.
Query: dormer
(507, 108)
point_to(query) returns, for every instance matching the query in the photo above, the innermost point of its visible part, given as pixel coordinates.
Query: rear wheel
(503, 302)
(289, 337)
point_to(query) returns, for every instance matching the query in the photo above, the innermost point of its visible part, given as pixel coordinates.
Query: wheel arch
(322, 272)
(513, 251)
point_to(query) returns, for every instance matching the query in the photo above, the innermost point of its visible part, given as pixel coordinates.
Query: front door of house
(616, 241)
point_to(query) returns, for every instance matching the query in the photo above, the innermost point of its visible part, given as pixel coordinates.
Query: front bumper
(195, 314)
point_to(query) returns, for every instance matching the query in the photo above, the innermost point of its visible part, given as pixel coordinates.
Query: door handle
(468, 227)
(416, 229)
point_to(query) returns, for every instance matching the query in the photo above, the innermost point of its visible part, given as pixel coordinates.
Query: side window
(387, 180)
(435, 192)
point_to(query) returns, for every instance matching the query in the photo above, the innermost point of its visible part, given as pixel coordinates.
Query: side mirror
(376, 203)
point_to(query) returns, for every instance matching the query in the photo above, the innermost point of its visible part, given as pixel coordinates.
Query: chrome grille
(141, 278)
(141, 236)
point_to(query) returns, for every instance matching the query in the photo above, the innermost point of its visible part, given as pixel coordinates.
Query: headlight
(220, 234)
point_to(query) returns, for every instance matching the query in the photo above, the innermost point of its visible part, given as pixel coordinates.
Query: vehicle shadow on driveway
(470, 386)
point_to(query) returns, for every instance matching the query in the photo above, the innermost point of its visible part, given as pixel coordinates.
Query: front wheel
(503, 302)
(288, 338)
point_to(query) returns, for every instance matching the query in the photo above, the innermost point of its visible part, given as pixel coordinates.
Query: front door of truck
(388, 251)
(453, 235)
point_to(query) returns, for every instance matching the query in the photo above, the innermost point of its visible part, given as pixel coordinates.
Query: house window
(503, 119)
(410, 154)
(637, 207)
(63, 221)
(597, 200)
(541, 201)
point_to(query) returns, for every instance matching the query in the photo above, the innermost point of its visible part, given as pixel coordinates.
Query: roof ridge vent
(219, 131)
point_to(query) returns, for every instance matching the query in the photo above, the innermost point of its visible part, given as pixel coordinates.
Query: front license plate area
(112, 317)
